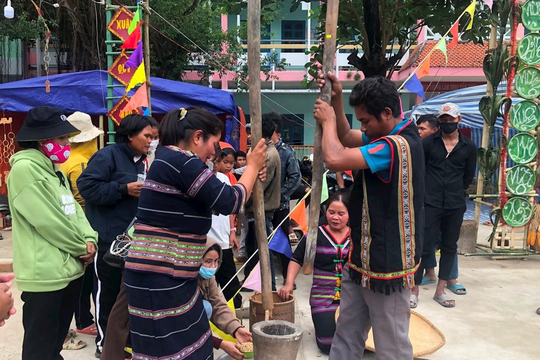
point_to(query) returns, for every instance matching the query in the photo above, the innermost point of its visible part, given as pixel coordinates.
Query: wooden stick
(254, 64)
(146, 8)
(332, 11)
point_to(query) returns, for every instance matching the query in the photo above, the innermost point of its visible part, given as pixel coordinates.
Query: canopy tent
(87, 92)
(467, 99)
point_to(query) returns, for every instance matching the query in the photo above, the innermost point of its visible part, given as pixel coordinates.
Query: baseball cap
(449, 109)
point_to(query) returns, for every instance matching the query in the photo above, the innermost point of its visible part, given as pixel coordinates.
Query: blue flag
(414, 85)
(147, 112)
(280, 243)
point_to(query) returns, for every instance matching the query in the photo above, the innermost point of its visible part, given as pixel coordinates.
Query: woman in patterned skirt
(167, 317)
(331, 254)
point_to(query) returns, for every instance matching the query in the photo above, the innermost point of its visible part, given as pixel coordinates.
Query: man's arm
(337, 157)
(470, 168)
(347, 136)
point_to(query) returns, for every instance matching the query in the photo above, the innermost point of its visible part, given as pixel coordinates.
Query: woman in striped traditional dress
(331, 254)
(167, 316)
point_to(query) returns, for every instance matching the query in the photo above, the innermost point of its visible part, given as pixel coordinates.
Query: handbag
(117, 252)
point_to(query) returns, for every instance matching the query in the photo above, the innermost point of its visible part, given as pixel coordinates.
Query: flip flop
(427, 281)
(443, 300)
(457, 289)
(89, 330)
(73, 344)
(413, 302)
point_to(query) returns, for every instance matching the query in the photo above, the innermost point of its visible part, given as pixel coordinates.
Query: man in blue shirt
(386, 216)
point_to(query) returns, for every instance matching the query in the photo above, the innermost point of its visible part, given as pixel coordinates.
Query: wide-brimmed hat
(83, 122)
(45, 122)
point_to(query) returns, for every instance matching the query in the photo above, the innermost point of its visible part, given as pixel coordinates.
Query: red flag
(423, 70)
(133, 39)
(140, 98)
(455, 36)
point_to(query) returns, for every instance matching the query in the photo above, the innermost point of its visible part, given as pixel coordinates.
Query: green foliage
(395, 23)
(24, 26)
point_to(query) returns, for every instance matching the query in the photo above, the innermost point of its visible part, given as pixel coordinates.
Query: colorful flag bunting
(414, 85)
(423, 69)
(299, 215)
(455, 35)
(135, 21)
(136, 58)
(441, 45)
(133, 39)
(147, 112)
(139, 99)
(139, 77)
(470, 9)
(324, 191)
(253, 281)
(280, 243)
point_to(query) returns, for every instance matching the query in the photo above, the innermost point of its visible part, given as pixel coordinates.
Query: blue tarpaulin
(87, 92)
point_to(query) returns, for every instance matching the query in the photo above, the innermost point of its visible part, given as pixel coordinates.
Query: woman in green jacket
(52, 240)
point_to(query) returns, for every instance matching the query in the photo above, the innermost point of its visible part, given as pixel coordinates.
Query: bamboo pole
(332, 11)
(146, 7)
(254, 64)
(485, 134)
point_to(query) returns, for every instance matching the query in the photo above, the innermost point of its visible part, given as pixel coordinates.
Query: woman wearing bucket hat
(52, 240)
(83, 146)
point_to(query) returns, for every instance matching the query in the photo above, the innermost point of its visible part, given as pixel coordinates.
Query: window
(292, 129)
(293, 32)
(349, 119)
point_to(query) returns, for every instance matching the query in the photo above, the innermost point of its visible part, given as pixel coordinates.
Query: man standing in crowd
(290, 180)
(386, 216)
(272, 196)
(450, 169)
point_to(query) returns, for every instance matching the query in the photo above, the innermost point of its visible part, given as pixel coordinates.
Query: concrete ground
(496, 320)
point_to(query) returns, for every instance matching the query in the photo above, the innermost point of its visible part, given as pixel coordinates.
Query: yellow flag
(470, 9)
(441, 45)
(138, 77)
(220, 333)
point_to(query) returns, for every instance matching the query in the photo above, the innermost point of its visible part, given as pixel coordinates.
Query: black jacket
(103, 185)
(448, 175)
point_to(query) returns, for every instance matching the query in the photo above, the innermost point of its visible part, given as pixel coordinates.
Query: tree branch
(191, 8)
(360, 22)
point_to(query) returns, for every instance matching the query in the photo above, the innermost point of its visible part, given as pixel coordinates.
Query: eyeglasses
(210, 262)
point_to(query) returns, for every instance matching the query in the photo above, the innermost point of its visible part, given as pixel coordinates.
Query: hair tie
(183, 113)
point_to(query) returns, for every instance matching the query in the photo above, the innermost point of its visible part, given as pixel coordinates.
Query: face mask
(58, 154)
(153, 145)
(448, 128)
(207, 273)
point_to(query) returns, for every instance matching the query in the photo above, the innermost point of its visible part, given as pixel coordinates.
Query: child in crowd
(216, 308)
(223, 231)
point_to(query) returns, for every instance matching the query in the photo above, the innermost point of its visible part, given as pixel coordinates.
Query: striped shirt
(180, 193)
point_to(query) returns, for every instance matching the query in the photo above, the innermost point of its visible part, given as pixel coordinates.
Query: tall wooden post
(254, 64)
(332, 10)
(146, 8)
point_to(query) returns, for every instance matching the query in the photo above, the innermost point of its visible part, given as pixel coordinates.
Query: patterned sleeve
(299, 252)
(200, 183)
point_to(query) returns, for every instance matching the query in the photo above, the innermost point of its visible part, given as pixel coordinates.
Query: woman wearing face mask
(216, 308)
(52, 240)
(331, 254)
(111, 185)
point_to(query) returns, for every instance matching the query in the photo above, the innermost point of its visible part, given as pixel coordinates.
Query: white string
(207, 54)
(269, 239)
